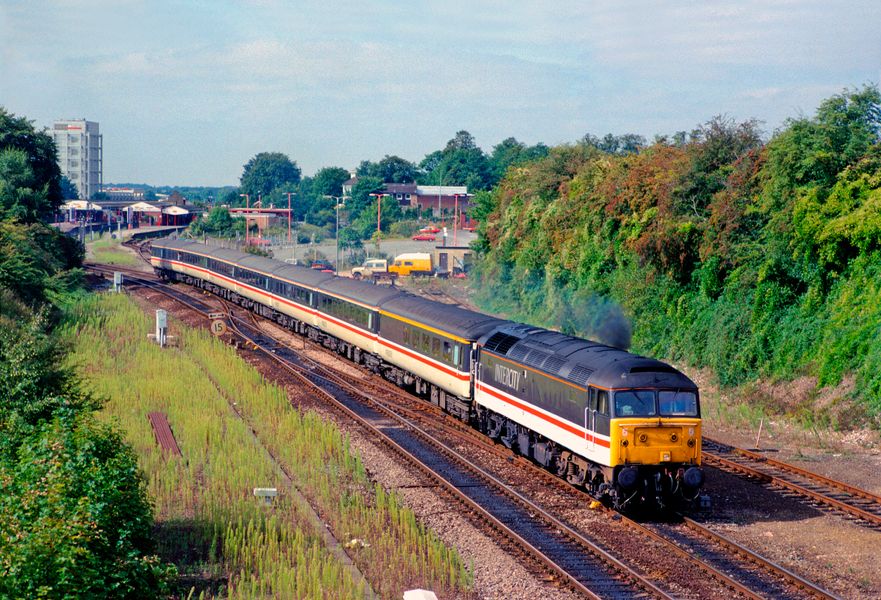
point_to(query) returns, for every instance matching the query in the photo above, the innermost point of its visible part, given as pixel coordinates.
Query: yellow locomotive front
(655, 445)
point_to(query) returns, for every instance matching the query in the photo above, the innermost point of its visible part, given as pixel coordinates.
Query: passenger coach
(412, 341)
(625, 427)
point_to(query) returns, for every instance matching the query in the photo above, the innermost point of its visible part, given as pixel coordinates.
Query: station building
(129, 213)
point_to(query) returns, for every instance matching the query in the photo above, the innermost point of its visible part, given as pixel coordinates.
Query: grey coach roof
(360, 291)
(446, 317)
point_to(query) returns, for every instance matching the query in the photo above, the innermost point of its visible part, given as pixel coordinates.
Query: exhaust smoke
(596, 317)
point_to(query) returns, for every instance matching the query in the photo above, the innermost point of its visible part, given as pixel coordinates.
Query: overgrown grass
(110, 251)
(225, 541)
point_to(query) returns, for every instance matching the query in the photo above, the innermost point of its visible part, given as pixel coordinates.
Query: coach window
(436, 347)
(602, 402)
(456, 355)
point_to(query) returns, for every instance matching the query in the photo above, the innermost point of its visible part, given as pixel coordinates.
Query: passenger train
(625, 427)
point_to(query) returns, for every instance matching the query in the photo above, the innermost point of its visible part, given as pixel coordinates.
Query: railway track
(525, 528)
(859, 505)
(732, 566)
(522, 527)
(513, 520)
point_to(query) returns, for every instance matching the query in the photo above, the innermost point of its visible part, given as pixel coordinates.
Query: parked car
(372, 267)
(424, 237)
(430, 229)
(324, 266)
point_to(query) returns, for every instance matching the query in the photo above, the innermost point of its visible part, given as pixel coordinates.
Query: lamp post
(338, 206)
(440, 183)
(247, 210)
(455, 218)
(289, 216)
(378, 211)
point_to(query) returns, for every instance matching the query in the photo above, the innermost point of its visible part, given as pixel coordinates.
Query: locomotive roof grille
(501, 342)
(553, 364)
(580, 374)
(520, 352)
(536, 358)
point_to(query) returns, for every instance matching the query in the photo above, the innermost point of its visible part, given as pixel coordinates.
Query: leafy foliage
(391, 169)
(755, 259)
(41, 176)
(74, 519)
(267, 172)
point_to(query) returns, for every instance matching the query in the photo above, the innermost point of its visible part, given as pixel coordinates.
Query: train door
(590, 419)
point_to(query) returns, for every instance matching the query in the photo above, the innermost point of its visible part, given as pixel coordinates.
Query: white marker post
(266, 493)
(161, 327)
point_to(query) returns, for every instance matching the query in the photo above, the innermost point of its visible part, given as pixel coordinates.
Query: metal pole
(337, 236)
(289, 217)
(455, 219)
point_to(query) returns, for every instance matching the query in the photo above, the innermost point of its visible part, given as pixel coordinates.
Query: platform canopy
(81, 205)
(144, 207)
(175, 210)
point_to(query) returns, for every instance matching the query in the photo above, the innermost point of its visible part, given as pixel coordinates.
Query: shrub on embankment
(74, 517)
(756, 259)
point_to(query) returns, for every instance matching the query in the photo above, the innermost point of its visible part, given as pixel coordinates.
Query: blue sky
(187, 92)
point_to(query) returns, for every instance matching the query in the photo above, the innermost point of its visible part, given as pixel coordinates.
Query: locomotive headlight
(691, 443)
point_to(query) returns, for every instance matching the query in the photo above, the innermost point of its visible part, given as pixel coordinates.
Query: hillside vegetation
(758, 259)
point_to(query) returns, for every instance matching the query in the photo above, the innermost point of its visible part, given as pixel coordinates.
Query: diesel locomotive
(625, 427)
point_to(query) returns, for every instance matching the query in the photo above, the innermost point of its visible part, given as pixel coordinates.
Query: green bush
(754, 260)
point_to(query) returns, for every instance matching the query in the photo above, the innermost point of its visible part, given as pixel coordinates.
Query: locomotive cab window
(677, 403)
(635, 403)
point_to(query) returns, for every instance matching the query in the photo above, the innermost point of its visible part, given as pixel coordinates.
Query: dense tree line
(756, 258)
(74, 517)
(269, 176)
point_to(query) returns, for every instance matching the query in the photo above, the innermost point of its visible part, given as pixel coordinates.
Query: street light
(247, 210)
(456, 217)
(289, 216)
(441, 175)
(338, 205)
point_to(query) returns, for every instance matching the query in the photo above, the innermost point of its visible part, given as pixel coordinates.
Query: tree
(511, 152)
(361, 191)
(68, 189)
(328, 181)
(218, 222)
(629, 143)
(461, 141)
(461, 162)
(391, 169)
(269, 171)
(39, 148)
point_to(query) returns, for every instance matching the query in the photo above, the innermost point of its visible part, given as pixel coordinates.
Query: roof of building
(400, 188)
(443, 190)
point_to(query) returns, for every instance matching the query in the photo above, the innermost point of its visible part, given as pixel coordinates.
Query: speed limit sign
(218, 327)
